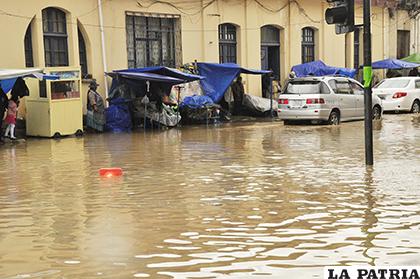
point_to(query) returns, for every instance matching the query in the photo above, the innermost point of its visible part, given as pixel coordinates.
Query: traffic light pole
(367, 77)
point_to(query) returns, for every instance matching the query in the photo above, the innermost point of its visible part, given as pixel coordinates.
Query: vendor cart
(56, 108)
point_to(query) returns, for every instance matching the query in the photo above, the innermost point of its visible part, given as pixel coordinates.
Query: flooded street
(243, 200)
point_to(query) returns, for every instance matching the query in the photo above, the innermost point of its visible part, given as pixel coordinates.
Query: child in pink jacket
(11, 119)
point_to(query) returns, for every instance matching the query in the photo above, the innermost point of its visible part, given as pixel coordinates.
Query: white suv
(330, 98)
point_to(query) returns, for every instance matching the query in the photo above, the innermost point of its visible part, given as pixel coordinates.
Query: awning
(393, 64)
(413, 58)
(146, 77)
(8, 76)
(163, 71)
(218, 77)
(319, 68)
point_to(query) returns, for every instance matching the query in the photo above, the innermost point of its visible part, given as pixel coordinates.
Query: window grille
(150, 41)
(227, 43)
(55, 37)
(308, 45)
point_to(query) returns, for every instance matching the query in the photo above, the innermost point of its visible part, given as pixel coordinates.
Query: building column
(38, 41)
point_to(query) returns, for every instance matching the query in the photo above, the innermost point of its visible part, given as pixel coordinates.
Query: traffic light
(342, 15)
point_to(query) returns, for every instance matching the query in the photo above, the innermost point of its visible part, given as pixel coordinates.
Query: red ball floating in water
(110, 172)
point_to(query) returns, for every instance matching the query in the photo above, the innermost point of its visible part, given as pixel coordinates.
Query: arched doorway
(270, 54)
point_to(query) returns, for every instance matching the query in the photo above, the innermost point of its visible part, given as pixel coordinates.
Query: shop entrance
(270, 55)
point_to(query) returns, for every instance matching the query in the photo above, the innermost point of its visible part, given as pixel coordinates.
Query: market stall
(56, 108)
(144, 93)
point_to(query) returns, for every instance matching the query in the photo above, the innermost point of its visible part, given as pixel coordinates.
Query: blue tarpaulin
(393, 64)
(218, 77)
(146, 76)
(8, 77)
(164, 71)
(118, 118)
(319, 68)
(196, 101)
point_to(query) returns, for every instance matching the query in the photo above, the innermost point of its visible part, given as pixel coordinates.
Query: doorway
(270, 55)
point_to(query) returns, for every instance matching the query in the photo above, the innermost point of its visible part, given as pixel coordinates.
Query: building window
(150, 41)
(403, 43)
(82, 54)
(227, 43)
(29, 58)
(55, 37)
(308, 45)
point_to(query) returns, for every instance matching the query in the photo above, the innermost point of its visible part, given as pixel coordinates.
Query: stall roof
(413, 58)
(146, 76)
(33, 72)
(163, 71)
(393, 64)
(8, 76)
(319, 68)
(218, 77)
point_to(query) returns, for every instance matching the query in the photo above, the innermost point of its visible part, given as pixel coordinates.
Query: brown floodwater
(243, 200)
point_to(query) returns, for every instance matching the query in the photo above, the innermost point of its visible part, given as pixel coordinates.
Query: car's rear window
(306, 87)
(393, 83)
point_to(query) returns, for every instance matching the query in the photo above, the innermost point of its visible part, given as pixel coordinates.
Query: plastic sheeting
(196, 101)
(393, 64)
(258, 104)
(319, 68)
(118, 118)
(413, 58)
(167, 116)
(146, 76)
(163, 71)
(218, 77)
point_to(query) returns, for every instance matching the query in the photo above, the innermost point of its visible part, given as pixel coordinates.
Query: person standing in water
(95, 118)
(11, 115)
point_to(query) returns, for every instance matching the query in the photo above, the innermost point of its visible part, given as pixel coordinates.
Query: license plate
(296, 103)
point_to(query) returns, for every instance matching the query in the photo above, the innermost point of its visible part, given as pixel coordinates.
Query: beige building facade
(275, 34)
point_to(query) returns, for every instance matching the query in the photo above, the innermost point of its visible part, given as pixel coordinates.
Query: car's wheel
(334, 118)
(376, 113)
(416, 107)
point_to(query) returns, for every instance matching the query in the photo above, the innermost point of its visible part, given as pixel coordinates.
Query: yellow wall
(199, 31)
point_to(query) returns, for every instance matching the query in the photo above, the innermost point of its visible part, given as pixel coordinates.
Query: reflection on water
(240, 201)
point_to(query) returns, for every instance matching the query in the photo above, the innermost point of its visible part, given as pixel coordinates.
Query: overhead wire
(301, 10)
(175, 6)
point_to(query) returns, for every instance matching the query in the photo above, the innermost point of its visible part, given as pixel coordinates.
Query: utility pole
(367, 77)
(341, 13)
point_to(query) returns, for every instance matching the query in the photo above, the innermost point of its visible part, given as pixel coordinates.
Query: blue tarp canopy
(164, 71)
(319, 68)
(218, 77)
(8, 76)
(393, 64)
(143, 76)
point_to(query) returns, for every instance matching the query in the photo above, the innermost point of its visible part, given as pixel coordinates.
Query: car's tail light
(315, 101)
(283, 101)
(399, 95)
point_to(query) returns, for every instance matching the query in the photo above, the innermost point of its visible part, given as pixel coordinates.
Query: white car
(330, 98)
(399, 94)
